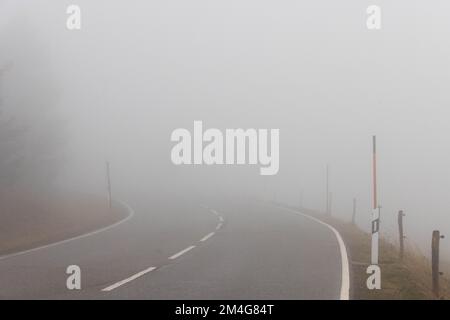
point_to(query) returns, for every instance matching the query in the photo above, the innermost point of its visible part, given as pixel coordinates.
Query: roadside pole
(436, 237)
(301, 199)
(376, 208)
(400, 233)
(327, 206)
(354, 211)
(108, 180)
(330, 204)
(374, 280)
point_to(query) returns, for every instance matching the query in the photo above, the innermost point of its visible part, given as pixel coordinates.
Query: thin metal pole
(330, 204)
(301, 199)
(354, 211)
(327, 207)
(108, 178)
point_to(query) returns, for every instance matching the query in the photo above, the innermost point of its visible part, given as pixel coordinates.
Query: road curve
(180, 250)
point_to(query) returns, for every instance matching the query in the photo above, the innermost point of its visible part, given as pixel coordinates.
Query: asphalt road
(184, 250)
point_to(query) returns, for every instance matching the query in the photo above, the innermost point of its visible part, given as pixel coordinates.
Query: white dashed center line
(133, 277)
(176, 255)
(207, 236)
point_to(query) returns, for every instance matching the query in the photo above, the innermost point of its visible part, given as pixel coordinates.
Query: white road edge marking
(130, 215)
(207, 236)
(345, 277)
(219, 226)
(133, 277)
(221, 219)
(176, 255)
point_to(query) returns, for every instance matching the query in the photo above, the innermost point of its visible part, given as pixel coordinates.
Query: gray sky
(138, 70)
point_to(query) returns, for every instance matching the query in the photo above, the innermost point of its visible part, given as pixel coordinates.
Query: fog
(138, 70)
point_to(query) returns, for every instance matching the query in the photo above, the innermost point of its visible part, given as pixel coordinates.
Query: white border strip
(130, 215)
(345, 277)
(133, 277)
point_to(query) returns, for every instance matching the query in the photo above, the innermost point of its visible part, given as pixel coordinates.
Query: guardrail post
(400, 233)
(435, 261)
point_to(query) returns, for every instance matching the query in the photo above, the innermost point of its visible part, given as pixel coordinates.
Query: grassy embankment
(29, 219)
(408, 279)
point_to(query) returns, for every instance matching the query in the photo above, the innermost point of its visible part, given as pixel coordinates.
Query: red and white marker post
(374, 271)
(376, 208)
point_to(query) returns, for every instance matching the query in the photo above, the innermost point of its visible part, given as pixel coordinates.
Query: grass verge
(407, 279)
(30, 219)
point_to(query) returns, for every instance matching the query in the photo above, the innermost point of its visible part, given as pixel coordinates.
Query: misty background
(117, 88)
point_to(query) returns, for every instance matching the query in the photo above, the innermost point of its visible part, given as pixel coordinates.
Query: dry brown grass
(407, 279)
(29, 219)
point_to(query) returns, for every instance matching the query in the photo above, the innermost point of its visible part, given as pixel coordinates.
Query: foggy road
(213, 121)
(180, 250)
